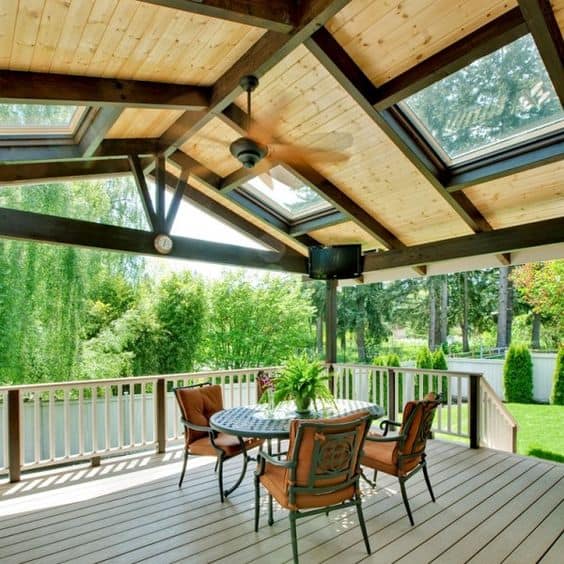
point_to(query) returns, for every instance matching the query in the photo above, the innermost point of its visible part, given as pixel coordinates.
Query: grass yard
(541, 430)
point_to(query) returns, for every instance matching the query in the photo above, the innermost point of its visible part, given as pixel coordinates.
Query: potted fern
(303, 381)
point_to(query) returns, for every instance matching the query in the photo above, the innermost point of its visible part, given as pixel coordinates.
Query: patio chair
(320, 474)
(197, 404)
(403, 455)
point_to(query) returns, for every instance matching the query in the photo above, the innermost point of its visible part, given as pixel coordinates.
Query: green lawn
(540, 430)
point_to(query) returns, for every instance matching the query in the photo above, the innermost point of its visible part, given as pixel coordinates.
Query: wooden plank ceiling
(307, 101)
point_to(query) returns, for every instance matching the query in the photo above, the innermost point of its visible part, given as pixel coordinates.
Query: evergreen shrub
(518, 375)
(557, 396)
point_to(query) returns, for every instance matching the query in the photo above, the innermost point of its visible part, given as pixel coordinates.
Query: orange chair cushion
(198, 405)
(228, 443)
(384, 458)
(274, 480)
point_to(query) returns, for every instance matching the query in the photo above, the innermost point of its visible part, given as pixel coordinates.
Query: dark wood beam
(485, 40)
(36, 173)
(341, 66)
(343, 203)
(275, 15)
(499, 241)
(215, 209)
(97, 130)
(46, 88)
(160, 191)
(179, 190)
(242, 175)
(547, 35)
(50, 229)
(144, 194)
(266, 53)
(67, 152)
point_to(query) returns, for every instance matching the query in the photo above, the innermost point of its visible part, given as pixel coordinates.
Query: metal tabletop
(274, 423)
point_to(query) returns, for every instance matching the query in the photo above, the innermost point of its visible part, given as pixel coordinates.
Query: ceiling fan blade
(265, 131)
(303, 154)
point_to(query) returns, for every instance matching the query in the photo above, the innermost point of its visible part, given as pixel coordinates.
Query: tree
(505, 308)
(180, 310)
(541, 286)
(256, 324)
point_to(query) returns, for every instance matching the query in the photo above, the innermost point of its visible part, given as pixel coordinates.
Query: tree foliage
(518, 375)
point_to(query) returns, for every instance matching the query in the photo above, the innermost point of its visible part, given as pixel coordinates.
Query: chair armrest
(384, 439)
(188, 425)
(263, 457)
(386, 424)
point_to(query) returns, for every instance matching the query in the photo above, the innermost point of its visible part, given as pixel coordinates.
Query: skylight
(283, 192)
(34, 119)
(498, 101)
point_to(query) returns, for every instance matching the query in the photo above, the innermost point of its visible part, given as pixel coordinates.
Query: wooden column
(474, 410)
(14, 435)
(161, 415)
(331, 328)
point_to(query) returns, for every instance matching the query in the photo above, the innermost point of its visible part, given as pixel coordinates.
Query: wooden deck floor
(491, 507)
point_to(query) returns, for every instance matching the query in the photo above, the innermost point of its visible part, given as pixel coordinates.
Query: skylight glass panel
(500, 100)
(26, 119)
(286, 194)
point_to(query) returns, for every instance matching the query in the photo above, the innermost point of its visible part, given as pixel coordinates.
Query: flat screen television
(335, 262)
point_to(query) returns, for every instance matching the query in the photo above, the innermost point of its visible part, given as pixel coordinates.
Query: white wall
(543, 369)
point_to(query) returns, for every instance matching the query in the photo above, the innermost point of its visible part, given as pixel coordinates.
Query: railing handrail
(497, 400)
(410, 369)
(133, 379)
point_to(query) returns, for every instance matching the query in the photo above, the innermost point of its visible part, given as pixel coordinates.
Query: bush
(557, 396)
(440, 363)
(518, 375)
(424, 360)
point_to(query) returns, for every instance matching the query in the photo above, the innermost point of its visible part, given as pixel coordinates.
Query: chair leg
(220, 477)
(241, 476)
(257, 503)
(375, 476)
(367, 479)
(426, 474)
(362, 524)
(294, 536)
(183, 468)
(270, 511)
(215, 467)
(405, 500)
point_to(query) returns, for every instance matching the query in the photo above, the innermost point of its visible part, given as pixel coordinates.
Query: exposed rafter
(47, 88)
(269, 50)
(39, 227)
(275, 15)
(333, 57)
(500, 241)
(547, 35)
(144, 194)
(179, 190)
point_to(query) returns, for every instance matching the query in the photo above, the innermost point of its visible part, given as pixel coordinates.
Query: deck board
(131, 510)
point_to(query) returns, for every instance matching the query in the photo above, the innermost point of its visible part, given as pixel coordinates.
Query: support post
(331, 328)
(14, 435)
(391, 394)
(474, 410)
(161, 415)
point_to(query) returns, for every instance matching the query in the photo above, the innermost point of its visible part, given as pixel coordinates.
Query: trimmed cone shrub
(440, 363)
(557, 396)
(518, 375)
(424, 360)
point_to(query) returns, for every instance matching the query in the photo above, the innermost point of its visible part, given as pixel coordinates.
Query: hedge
(557, 396)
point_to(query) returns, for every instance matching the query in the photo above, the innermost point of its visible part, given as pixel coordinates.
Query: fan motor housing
(247, 151)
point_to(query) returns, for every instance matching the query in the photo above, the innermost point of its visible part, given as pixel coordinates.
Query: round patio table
(274, 423)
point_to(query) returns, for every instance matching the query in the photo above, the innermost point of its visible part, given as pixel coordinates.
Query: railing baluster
(94, 416)
(459, 405)
(37, 426)
(66, 422)
(132, 414)
(107, 392)
(143, 413)
(80, 421)
(52, 452)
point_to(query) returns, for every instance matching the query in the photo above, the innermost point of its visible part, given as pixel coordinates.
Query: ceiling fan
(260, 140)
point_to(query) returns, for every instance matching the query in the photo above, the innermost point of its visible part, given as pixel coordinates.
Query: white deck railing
(55, 423)
(62, 422)
(471, 410)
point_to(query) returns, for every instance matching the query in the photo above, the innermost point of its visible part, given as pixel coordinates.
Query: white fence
(543, 369)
